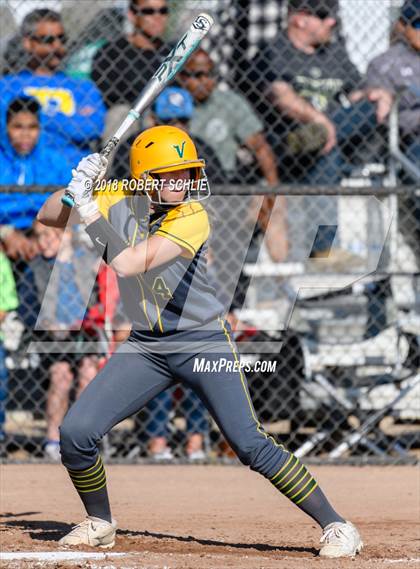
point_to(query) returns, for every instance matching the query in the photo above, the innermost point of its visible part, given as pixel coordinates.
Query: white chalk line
(80, 555)
(58, 555)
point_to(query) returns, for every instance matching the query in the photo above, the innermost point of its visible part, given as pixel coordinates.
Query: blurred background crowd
(284, 93)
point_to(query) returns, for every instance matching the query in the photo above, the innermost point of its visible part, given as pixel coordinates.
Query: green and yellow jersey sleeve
(187, 225)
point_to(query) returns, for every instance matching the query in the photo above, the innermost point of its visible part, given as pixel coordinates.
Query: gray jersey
(175, 295)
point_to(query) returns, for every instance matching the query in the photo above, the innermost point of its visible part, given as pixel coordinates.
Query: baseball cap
(321, 8)
(410, 13)
(174, 103)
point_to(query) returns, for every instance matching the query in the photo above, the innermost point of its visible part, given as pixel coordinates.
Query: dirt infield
(201, 517)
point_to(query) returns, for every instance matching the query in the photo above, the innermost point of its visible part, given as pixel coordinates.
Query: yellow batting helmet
(163, 149)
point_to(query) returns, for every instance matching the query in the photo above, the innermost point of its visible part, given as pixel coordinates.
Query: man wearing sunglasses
(72, 114)
(122, 68)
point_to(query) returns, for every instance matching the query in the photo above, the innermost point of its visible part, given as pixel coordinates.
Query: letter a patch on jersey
(179, 149)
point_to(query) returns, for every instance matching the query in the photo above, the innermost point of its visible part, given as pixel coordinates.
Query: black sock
(296, 483)
(91, 487)
(317, 506)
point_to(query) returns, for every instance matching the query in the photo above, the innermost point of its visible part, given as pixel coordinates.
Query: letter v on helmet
(180, 150)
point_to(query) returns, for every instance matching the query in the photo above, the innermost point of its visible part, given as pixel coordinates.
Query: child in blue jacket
(25, 158)
(72, 110)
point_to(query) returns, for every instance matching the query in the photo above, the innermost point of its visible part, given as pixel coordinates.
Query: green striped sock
(295, 482)
(90, 484)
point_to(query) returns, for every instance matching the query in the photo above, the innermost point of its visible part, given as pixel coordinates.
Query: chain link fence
(312, 155)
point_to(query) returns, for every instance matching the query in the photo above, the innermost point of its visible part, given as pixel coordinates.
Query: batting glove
(93, 166)
(89, 171)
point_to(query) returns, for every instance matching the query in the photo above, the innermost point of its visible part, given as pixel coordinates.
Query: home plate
(56, 555)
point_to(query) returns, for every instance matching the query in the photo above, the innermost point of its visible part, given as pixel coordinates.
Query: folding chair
(382, 358)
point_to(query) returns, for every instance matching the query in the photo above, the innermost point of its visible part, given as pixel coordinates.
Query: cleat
(92, 531)
(340, 539)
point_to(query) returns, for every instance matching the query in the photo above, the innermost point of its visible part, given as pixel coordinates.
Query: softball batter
(156, 243)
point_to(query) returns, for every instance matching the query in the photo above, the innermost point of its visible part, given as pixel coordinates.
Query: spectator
(156, 426)
(65, 308)
(173, 106)
(121, 68)
(72, 109)
(24, 157)
(318, 109)
(8, 302)
(225, 121)
(398, 70)
(16, 244)
(311, 81)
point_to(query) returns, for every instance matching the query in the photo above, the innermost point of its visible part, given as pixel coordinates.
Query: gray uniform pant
(138, 372)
